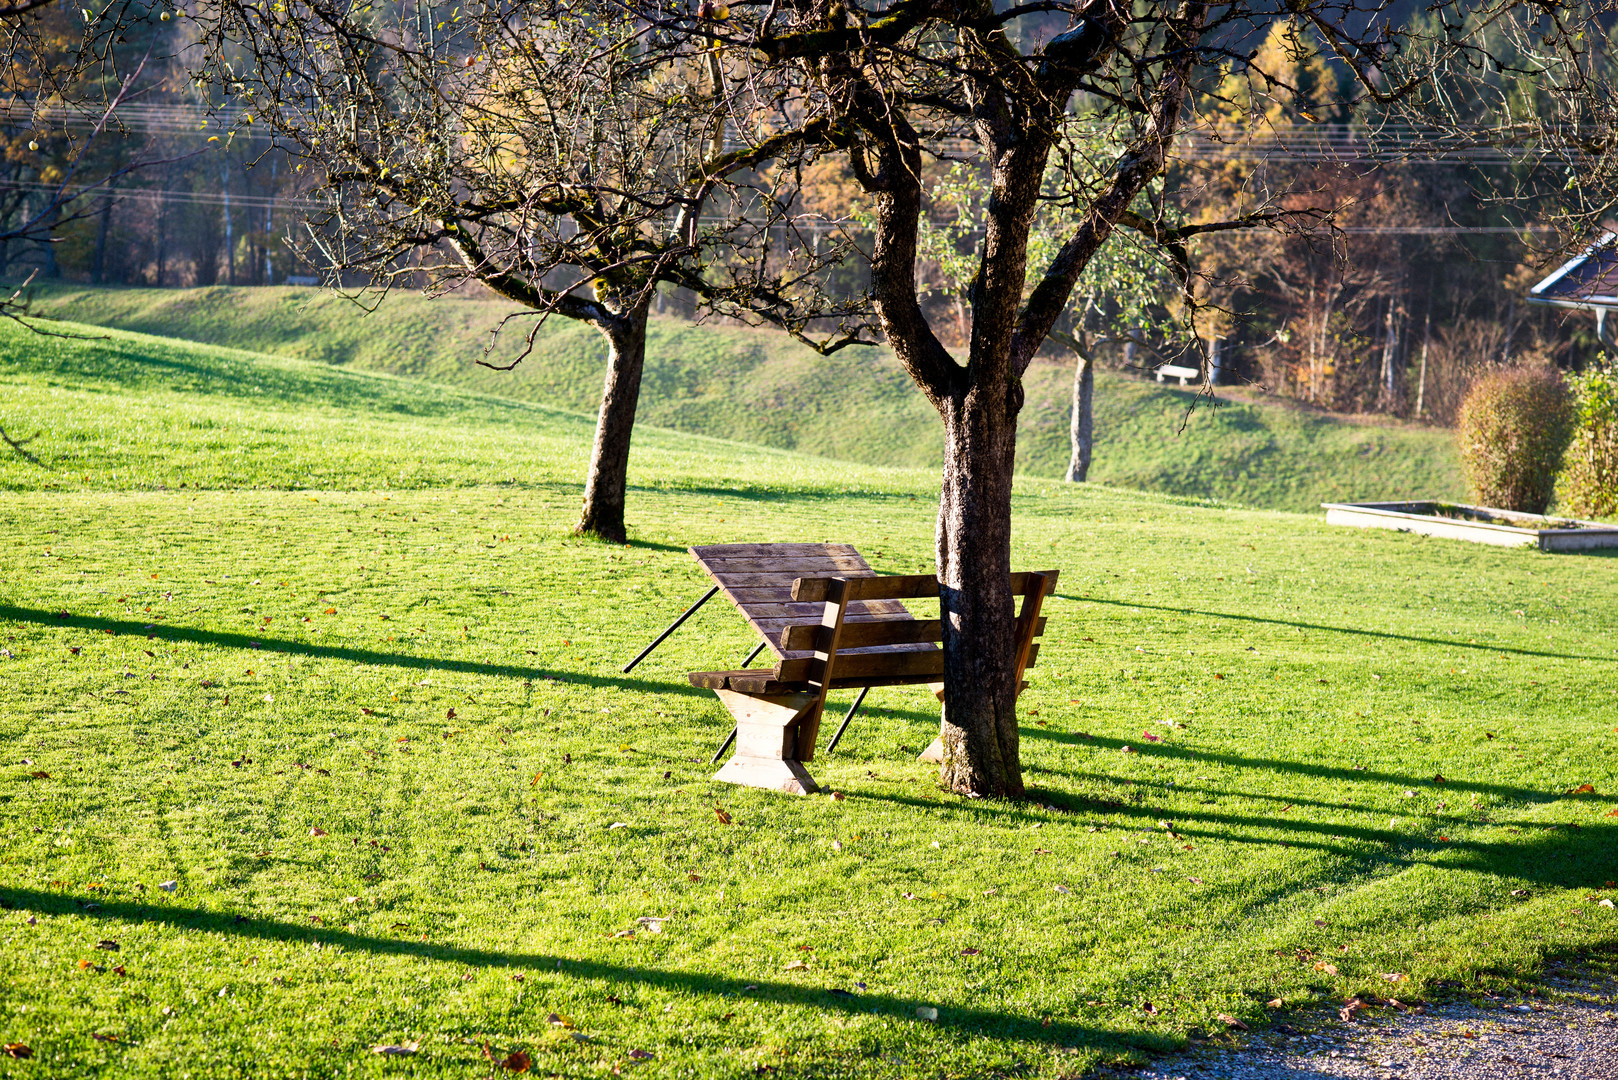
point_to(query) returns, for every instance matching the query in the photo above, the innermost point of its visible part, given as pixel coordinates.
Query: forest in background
(1418, 288)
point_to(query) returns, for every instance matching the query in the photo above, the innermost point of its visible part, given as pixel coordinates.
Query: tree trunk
(604, 488)
(979, 728)
(98, 267)
(1081, 427)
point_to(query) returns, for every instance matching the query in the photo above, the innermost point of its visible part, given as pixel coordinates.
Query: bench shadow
(1447, 643)
(967, 1021)
(230, 640)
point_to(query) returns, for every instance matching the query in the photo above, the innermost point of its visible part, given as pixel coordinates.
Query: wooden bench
(778, 710)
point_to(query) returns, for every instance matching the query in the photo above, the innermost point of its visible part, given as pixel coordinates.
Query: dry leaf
(618, 825)
(795, 965)
(516, 1061)
(970, 952)
(652, 923)
(1350, 1007)
(1274, 1003)
(1604, 903)
(168, 886)
(40, 774)
(558, 1020)
(1231, 1021)
(317, 831)
(1126, 749)
(724, 818)
(1438, 778)
(1329, 969)
(1396, 977)
(19, 1051)
(642, 1055)
(926, 1012)
(837, 796)
(1149, 737)
(1063, 889)
(624, 934)
(1584, 789)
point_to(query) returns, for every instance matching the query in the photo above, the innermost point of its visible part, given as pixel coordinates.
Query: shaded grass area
(760, 387)
(378, 740)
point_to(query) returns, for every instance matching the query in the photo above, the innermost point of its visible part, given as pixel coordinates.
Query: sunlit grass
(355, 690)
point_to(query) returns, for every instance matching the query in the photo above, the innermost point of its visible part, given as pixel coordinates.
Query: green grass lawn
(316, 647)
(760, 387)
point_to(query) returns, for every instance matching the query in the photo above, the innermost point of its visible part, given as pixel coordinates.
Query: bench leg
(766, 742)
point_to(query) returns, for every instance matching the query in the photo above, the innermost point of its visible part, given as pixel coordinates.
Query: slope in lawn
(293, 775)
(760, 387)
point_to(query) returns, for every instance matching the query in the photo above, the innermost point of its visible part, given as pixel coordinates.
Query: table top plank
(758, 578)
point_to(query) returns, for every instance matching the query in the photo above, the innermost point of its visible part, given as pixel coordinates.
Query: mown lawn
(317, 648)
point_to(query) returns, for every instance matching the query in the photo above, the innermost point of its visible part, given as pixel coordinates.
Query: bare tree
(567, 158)
(896, 84)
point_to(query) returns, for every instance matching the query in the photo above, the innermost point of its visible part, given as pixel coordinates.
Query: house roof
(1589, 281)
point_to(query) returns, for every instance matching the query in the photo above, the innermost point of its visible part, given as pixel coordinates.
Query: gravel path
(1570, 1032)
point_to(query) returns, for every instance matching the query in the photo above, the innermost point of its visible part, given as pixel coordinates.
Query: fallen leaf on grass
(618, 825)
(20, 1051)
(1350, 1007)
(396, 1049)
(1274, 1003)
(1395, 977)
(39, 774)
(652, 923)
(624, 934)
(1329, 969)
(642, 1055)
(1063, 889)
(99, 1036)
(970, 952)
(168, 886)
(1149, 737)
(316, 830)
(1438, 778)
(795, 965)
(1584, 789)
(1231, 1021)
(109, 945)
(926, 1012)
(1604, 903)
(516, 1061)
(1126, 749)
(724, 818)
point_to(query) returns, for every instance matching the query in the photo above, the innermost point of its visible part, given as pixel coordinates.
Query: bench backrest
(866, 651)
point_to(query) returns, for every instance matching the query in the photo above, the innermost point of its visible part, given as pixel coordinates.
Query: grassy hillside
(291, 775)
(760, 387)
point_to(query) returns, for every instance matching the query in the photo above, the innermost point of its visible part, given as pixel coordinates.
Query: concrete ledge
(1479, 524)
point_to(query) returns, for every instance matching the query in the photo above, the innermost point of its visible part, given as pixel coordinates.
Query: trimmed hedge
(1589, 484)
(1513, 430)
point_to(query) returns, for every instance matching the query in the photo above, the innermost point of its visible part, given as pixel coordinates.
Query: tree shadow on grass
(1304, 768)
(228, 640)
(1450, 643)
(966, 1021)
